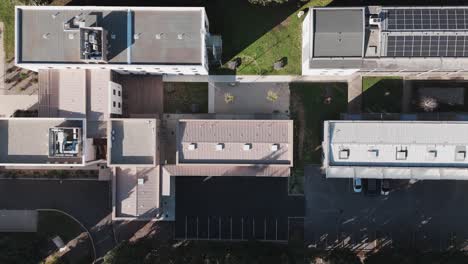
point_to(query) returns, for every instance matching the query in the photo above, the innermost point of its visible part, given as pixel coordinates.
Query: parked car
(385, 188)
(357, 185)
(371, 187)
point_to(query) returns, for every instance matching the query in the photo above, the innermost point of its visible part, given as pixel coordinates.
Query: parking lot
(425, 215)
(235, 208)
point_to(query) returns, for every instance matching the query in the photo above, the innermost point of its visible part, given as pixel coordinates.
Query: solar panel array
(427, 46)
(426, 19)
(419, 32)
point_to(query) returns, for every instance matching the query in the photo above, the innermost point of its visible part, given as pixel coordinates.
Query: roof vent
(274, 147)
(402, 154)
(431, 154)
(159, 36)
(460, 154)
(344, 154)
(46, 36)
(54, 16)
(180, 36)
(247, 146)
(219, 146)
(192, 146)
(373, 153)
(136, 36)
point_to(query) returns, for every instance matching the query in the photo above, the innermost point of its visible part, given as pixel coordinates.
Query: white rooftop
(396, 143)
(420, 150)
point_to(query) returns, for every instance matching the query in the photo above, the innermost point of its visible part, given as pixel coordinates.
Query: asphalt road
(87, 201)
(425, 215)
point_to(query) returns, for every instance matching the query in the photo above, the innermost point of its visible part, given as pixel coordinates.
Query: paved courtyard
(250, 97)
(425, 214)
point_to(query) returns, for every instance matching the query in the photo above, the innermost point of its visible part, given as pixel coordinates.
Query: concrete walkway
(354, 94)
(10, 103)
(406, 100)
(253, 78)
(2, 61)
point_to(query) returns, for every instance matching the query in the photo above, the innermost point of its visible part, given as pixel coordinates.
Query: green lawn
(179, 97)
(309, 109)
(7, 16)
(382, 94)
(259, 35)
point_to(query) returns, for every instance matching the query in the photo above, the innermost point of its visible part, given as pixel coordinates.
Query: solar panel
(425, 19)
(427, 46)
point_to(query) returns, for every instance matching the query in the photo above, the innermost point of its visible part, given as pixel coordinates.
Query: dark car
(372, 187)
(385, 189)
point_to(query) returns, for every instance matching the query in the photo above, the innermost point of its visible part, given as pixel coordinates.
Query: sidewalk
(2, 62)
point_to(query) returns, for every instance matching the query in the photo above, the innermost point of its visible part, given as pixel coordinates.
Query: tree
(228, 98)
(428, 104)
(272, 96)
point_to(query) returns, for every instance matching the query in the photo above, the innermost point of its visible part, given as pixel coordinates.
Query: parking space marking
(242, 228)
(276, 228)
(253, 226)
(186, 227)
(229, 230)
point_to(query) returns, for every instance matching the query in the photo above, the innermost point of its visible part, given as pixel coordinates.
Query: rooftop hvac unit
(247, 146)
(374, 21)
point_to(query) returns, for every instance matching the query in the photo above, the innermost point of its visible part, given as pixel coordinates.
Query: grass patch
(259, 43)
(382, 94)
(311, 104)
(7, 16)
(183, 97)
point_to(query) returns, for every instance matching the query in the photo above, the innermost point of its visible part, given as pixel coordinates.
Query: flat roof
(18, 220)
(338, 32)
(396, 143)
(137, 192)
(235, 142)
(135, 35)
(26, 141)
(132, 141)
(62, 93)
(394, 38)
